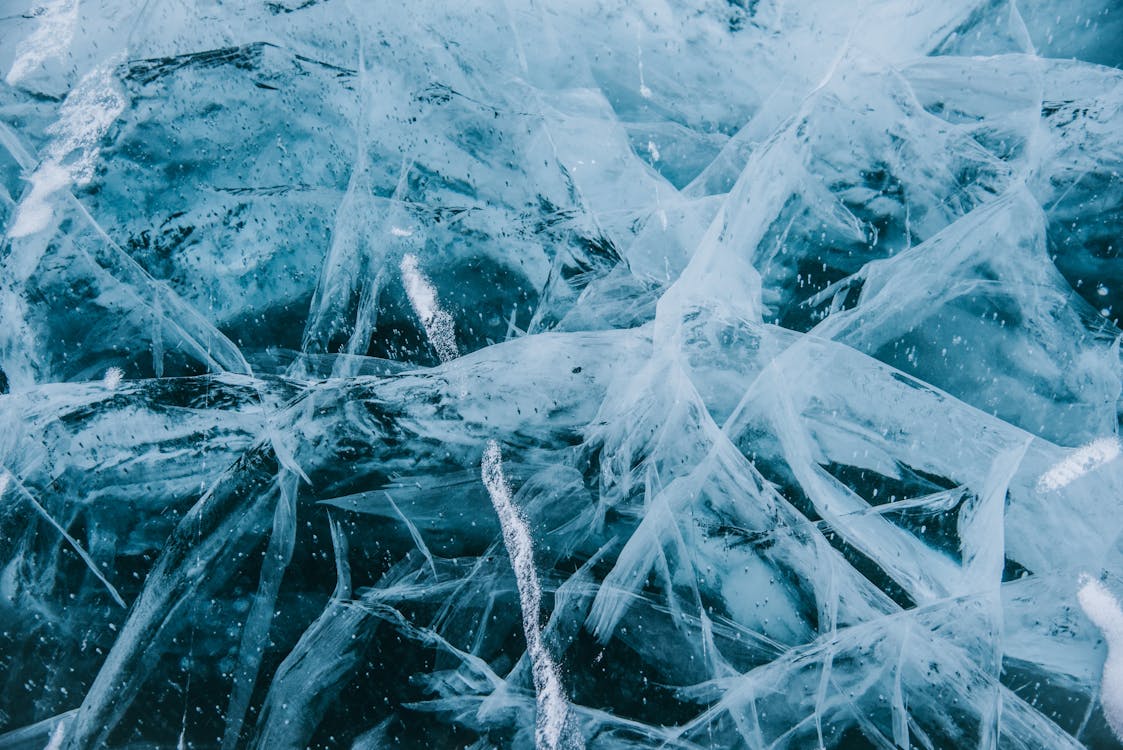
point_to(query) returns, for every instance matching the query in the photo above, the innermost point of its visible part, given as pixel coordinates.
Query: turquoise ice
(566, 374)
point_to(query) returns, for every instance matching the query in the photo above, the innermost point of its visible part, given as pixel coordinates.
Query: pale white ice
(57, 736)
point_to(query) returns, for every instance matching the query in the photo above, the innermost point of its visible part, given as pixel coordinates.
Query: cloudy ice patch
(1078, 463)
(1104, 612)
(50, 39)
(553, 708)
(84, 117)
(422, 296)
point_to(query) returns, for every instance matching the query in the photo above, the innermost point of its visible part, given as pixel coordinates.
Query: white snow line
(1104, 612)
(553, 708)
(423, 298)
(5, 479)
(1078, 463)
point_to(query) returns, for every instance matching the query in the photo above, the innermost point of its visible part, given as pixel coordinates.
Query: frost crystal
(561, 374)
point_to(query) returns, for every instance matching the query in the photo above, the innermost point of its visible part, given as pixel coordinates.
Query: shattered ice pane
(561, 375)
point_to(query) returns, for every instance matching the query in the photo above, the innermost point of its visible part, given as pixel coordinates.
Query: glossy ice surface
(579, 373)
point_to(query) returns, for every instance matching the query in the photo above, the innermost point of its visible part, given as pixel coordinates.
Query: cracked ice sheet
(796, 323)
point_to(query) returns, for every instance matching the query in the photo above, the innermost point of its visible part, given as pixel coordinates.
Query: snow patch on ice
(423, 297)
(1103, 610)
(113, 378)
(1078, 463)
(51, 38)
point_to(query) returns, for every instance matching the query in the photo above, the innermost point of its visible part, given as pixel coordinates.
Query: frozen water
(1103, 609)
(600, 374)
(554, 727)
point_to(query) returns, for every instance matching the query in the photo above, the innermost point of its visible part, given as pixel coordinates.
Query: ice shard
(590, 374)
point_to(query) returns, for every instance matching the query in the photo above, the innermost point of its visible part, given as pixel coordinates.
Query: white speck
(399, 232)
(644, 91)
(423, 297)
(51, 38)
(653, 150)
(1103, 610)
(663, 219)
(1078, 463)
(553, 709)
(1101, 290)
(113, 378)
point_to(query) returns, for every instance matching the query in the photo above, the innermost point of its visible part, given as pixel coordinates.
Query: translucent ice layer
(578, 374)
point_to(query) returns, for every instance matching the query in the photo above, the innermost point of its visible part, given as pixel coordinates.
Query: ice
(1103, 609)
(1084, 459)
(423, 298)
(52, 36)
(551, 731)
(568, 374)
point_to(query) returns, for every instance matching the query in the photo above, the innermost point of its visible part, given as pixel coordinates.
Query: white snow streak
(553, 709)
(84, 118)
(1078, 463)
(423, 298)
(1103, 610)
